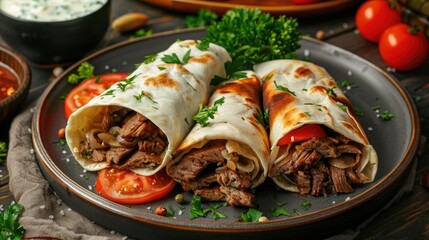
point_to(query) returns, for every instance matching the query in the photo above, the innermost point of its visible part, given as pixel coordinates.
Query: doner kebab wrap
(137, 123)
(318, 146)
(226, 156)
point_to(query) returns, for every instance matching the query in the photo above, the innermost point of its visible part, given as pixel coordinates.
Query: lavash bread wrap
(228, 156)
(139, 122)
(296, 94)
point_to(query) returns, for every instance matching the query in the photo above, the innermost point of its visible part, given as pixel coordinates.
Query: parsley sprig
(232, 69)
(10, 228)
(204, 113)
(283, 88)
(252, 215)
(197, 209)
(3, 152)
(84, 71)
(173, 58)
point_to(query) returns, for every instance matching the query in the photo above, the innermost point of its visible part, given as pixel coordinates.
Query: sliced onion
(109, 139)
(344, 161)
(245, 165)
(92, 139)
(126, 143)
(231, 165)
(114, 130)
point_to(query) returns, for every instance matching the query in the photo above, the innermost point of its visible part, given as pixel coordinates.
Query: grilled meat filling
(125, 140)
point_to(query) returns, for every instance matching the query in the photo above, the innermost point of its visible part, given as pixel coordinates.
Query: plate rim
(233, 226)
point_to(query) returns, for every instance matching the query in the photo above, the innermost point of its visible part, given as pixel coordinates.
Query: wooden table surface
(406, 219)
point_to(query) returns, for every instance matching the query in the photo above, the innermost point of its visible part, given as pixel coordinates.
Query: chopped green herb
(84, 71)
(141, 33)
(377, 107)
(161, 68)
(232, 69)
(306, 205)
(204, 113)
(126, 82)
(263, 118)
(173, 58)
(304, 89)
(63, 96)
(347, 83)
(108, 93)
(280, 211)
(170, 211)
(386, 115)
(203, 46)
(10, 228)
(359, 112)
(281, 203)
(252, 215)
(186, 121)
(203, 18)
(342, 106)
(142, 94)
(3, 152)
(268, 77)
(331, 90)
(98, 79)
(282, 88)
(308, 114)
(197, 210)
(150, 58)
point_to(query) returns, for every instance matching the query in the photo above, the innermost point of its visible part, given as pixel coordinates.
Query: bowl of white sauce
(49, 32)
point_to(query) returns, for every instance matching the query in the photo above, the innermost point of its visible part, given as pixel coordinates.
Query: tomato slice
(88, 89)
(301, 134)
(125, 186)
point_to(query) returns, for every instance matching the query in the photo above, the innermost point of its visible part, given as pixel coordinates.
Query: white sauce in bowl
(50, 10)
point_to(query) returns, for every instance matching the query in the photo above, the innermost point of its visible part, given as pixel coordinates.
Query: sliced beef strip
(153, 145)
(112, 115)
(196, 161)
(235, 179)
(140, 159)
(319, 180)
(303, 181)
(138, 126)
(99, 155)
(339, 179)
(201, 182)
(349, 148)
(117, 154)
(213, 194)
(297, 160)
(327, 146)
(235, 197)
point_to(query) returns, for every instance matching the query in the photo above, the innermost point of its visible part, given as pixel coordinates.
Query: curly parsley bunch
(255, 36)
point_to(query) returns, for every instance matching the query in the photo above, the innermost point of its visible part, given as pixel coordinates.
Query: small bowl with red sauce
(15, 81)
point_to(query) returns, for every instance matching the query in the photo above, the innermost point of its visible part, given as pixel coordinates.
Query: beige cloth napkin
(45, 214)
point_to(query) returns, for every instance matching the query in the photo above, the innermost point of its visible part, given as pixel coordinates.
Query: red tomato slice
(125, 186)
(88, 89)
(301, 134)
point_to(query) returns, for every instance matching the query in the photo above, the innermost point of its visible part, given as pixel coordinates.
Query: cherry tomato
(403, 47)
(301, 134)
(373, 17)
(125, 186)
(305, 1)
(88, 89)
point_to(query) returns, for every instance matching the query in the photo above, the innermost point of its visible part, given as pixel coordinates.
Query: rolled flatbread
(138, 123)
(226, 157)
(299, 94)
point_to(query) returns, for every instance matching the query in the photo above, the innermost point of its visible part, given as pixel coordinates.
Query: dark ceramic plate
(396, 142)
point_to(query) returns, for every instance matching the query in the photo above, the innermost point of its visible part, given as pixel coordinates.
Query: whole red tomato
(403, 47)
(373, 17)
